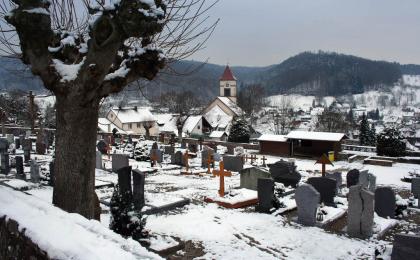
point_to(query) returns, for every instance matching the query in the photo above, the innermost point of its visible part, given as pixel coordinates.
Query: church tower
(228, 87)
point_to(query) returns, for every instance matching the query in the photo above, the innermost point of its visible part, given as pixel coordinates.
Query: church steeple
(228, 87)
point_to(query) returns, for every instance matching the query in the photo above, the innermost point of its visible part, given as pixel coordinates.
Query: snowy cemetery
(198, 201)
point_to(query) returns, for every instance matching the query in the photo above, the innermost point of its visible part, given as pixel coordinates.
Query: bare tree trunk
(75, 154)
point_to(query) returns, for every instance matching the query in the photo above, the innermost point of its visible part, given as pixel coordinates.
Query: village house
(133, 120)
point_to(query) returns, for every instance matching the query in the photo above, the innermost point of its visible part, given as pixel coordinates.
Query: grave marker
(307, 199)
(326, 188)
(285, 172)
(250, 177)
(98, 160)
(352, 177)
(222, 174)
(415, 187)
(138, 189)
(119, 161)
(124, 180)
(406, 246)
(19, 168)
(324, 160)
(360, 212)
(385, 202)
(35, 177)
(233, 163)
(265, 195)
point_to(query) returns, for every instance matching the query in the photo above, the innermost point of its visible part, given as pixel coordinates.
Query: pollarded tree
(86, 50)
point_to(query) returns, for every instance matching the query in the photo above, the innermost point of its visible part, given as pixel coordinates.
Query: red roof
(227, 74)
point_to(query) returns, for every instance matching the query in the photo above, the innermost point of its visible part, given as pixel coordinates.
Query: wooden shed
(274, 145)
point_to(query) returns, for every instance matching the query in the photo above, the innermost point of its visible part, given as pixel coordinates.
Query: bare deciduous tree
(86, 50)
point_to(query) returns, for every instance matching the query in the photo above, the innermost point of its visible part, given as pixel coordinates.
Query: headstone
(265, 195)
(176, 158)
(19, 168)
(326, 188)
(372, 182)
(352, 177)
(285, 172)
(4, 145)
(337, 177)
(21, 139)
(307, 199)
(360, 212)
(415, 187)
(138, 188)
(124, 180)
(10, 138)
(98, 160)
(5, 164)
(406, 246)
(52, 175)
(192, 148)
(204, 155)
(250, 177)
(233, 163)
(102, 146)
(385, 202)
(27, 148)
(119, 161)
(28, 134)
(169, 150)
(155, 146)
(364, 179)
(217, 157)
(35, 172)
(40, 144)
(17, 143)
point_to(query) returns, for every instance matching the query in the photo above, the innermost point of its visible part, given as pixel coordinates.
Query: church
(221, 111)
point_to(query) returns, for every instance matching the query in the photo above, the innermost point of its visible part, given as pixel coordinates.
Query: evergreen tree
(372, 136)
(125, 220)
(240, 131)
(364, 131)
(350, 117)
(390, 142)
(377, 114)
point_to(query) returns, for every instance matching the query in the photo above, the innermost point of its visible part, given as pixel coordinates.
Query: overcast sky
(264, 32)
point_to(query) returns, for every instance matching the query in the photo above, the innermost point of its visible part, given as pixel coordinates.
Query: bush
(390, 142)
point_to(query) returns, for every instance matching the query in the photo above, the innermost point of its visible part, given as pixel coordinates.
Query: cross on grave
(186, 156)
(324, 161)
(222, 173)
(210, 161)
(263, 159)
(253, 158)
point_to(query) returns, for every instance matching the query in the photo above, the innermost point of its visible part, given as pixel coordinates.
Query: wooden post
(210, 160)
(186, 156)
(222, 173)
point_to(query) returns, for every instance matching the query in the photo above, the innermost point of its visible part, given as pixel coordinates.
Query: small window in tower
(227, 92)
(227, 85)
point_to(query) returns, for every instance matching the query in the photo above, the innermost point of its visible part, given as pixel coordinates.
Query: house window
(130, 126)
(138, 125)
(227, 85)
(198, 127)
(227, 92)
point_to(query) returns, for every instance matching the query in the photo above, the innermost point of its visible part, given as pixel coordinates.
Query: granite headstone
(307, 199)
(265, 195)
(285, 172)
(360, 212)
(385, 202)
(326, 187)
(250, 177)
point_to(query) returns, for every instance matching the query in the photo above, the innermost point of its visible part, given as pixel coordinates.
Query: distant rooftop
(227, 74)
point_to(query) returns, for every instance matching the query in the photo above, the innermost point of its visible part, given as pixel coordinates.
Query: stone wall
(15, 245)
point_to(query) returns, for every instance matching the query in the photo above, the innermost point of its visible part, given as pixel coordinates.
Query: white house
(133, 120)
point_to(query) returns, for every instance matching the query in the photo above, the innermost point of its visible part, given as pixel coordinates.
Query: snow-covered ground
(412, 80)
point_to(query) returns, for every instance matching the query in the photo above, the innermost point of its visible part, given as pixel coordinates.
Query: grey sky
(264, 32)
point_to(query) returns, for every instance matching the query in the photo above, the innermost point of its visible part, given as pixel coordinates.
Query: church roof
(231, 105)
(227, 74)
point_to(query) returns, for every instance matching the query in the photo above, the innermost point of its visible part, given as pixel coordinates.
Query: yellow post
(331, 156)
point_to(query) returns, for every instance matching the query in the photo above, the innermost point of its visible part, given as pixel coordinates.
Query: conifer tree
(364, 131)
(239, 132)
(390, 142)
(372, 136)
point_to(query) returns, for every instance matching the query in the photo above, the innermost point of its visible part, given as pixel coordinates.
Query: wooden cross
(253, 158)
(263, 159)
(222, 173)
(210, 160)
(247, 157)
(324, 161)
(186, 156)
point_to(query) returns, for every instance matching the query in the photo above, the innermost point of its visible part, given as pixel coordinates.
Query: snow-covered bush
(390, 142)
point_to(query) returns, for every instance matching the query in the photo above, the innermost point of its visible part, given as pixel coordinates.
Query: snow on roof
(133, 114)
(163, 118)
(319, 136)
(227, 74)
(273, 138)
(66, 236)
(217, 117)
(107, 126)
(170, 126)
(217, 134)
(190, 123)
(231, 105)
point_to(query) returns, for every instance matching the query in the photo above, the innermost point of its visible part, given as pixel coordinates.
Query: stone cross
(210, 161)
(222, 173)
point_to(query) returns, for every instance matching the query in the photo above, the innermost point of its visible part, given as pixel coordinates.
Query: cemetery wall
(14, 244)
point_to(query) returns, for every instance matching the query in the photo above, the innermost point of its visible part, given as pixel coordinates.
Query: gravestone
(119, 161)
(35, 172)
(265, 195)
(285, 172)
(385, 202)
(19, 168)
(21, 140)
(5, 164)
(204, 156)
(98, 160)
(169, 150)
(415, 187)
(360, 212)
(233, 163)
(326, 188)
(155, 146)
(158, 153)
(405, 247)
(250, 176)
(10, 138)
(337, 177)
(307, 199)
(352, 177)
(367, 180)
(52, 175)
(124, 180)
(176, 158)
(17, 143)
(217, 157)
(102, 146)
(40, 145)
(4, 145)
(192, 148)
(27, 148)
(138, 189)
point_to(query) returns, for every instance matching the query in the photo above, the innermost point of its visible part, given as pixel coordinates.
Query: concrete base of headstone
(236, 205)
